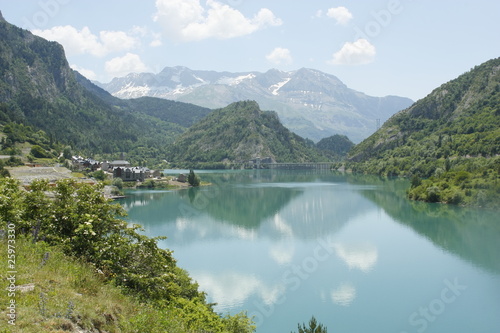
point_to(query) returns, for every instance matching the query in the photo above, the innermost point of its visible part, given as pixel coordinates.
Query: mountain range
(309, 102)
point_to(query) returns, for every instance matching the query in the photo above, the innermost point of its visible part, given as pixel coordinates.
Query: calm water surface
(352, 251)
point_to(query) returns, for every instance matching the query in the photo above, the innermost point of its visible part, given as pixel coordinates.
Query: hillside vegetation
(88, 269)
(337, 146)
(238, 133)
(451, 138)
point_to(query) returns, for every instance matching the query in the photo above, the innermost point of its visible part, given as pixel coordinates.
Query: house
(118, 163)
(182, 178)
(81, 163)
(131, 173)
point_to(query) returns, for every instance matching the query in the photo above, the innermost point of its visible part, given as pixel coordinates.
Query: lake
(350, 250)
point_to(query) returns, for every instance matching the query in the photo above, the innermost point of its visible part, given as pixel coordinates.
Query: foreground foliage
(80, 222)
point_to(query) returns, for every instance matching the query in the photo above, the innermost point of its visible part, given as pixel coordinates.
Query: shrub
(39, 152)
(118, 182)
(433, 194)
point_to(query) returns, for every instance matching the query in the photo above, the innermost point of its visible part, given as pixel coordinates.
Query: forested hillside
(452, 137)
(238, 133)
(337, 146)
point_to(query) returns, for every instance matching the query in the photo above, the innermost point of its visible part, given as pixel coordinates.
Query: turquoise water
(352, 251)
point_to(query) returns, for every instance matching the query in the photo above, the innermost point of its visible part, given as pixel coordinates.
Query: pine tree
(314, 327)
(193, 179)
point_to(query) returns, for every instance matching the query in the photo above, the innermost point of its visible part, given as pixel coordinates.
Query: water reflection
(358, 256)
(231, 289)
(287, 245)
(470, 233)
(249, 205)
(344, 294)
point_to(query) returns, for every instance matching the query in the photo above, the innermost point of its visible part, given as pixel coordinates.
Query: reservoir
(349, 250)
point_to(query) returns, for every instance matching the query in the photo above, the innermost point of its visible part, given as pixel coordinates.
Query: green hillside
(336, 145)
(39, 89)
(451, 138)
(238, 133)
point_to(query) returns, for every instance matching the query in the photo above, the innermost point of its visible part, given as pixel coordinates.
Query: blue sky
(388, 47)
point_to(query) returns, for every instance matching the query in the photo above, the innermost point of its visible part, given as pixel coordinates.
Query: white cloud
(113, 41)
(280, 56)
(89, 74)
(156, 43)
(188, 20)
(156, 40)
(121, 66)
(360, 52)
(85, 42)
(341, 14)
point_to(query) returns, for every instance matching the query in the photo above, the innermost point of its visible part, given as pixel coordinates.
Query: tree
(99, 175)
(193, 179)
(39, 152)
(118, 182)
(67, 153)
(314, 327)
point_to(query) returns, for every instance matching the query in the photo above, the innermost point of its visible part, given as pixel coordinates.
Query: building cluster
(81, 163)
(119, 169)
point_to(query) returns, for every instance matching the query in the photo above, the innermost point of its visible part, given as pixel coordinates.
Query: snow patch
(276, 87)
(233, 81)
(131, 91)
(201, 80)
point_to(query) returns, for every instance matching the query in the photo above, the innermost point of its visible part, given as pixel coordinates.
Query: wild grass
(70, 296)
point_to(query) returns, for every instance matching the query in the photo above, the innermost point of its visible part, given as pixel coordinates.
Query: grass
(70, 296)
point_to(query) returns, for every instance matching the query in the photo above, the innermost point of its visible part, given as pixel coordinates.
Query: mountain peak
(1, 17)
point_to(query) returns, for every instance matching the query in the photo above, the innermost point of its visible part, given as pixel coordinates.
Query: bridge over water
(299, 166)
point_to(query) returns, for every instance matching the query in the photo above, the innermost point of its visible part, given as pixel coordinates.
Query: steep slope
(311, 103)
(238, 133)
(455, 129)
(38, 88)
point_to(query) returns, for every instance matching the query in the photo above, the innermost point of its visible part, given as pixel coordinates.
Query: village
(122, 169)
(117, 169)
(116, 175)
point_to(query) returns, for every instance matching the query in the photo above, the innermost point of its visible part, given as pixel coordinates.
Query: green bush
(39, 152)
(433, 194)
(118, 182)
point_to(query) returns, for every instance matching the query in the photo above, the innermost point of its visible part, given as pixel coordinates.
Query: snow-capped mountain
(309, 102)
